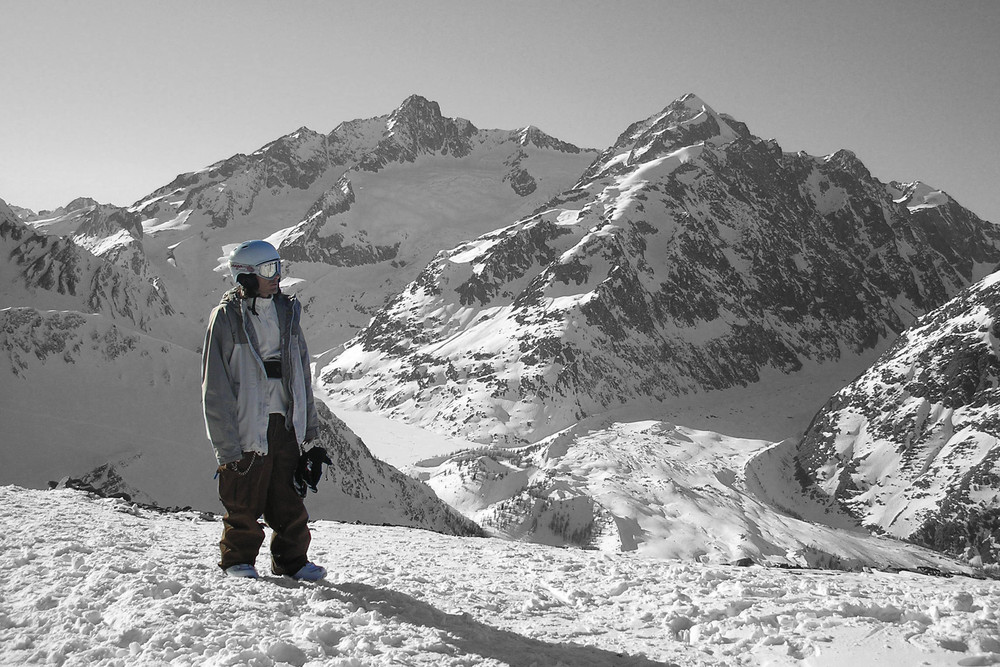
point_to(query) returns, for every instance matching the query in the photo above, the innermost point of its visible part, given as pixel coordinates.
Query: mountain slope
(661, 490)
(101, 269)
(80, 392)
(912, 447)
(356, 213)
(129, 421)
(691, 256)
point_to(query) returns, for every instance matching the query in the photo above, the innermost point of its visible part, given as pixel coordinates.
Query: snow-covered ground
(396, 442)
(90, 581)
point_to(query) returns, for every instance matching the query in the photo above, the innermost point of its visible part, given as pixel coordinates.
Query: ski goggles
(270, 269)
(265, 270)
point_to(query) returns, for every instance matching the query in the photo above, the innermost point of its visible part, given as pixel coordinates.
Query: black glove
(310, 469)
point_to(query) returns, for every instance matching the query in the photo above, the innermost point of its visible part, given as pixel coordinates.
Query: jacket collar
(286, 304)
(235, 295)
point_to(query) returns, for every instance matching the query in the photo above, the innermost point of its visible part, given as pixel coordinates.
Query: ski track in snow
(93, 581)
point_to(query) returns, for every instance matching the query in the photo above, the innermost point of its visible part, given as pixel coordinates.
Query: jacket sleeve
(312, 419)
(218, 391)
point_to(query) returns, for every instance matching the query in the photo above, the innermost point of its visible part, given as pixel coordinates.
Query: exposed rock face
(417, 128)
(952, 230)
(417, 131)
(30, 336)
(231, 190)
(112, 278)
(912, 447)
(690, 256)
(345, 247)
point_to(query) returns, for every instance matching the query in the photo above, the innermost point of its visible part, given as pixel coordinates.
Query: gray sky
(112, 99)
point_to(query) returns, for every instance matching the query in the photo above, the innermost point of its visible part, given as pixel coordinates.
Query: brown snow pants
(262, 485)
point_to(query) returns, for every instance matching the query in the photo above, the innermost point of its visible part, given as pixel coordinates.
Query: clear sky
(112, 99)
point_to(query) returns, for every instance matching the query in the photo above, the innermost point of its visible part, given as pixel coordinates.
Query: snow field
(89, 581)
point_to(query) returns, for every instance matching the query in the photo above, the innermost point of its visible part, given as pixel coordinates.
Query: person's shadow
(472, 637)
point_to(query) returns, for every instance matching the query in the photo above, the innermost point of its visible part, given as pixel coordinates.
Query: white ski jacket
(234, 382)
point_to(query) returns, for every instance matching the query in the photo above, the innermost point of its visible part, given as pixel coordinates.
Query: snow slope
(131, 422)
(88, 581)
(661, 490)
(81, 392)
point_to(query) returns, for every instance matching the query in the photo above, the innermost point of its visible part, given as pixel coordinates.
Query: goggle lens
(270, 269)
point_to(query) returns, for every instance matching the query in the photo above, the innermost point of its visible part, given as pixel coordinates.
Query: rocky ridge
(304, 178)
(912, 447)
(691, 256)
(99, 269)
(416, 131)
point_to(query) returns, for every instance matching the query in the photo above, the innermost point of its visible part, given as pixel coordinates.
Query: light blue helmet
(254, 257)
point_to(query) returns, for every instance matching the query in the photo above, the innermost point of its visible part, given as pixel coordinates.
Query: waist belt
(272, 367)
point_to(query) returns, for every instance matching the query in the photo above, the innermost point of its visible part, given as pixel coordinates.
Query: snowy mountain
(912, 447)
(81, 392)
(356, 212)
(85, 219)
(101, 268)
(134, 397)
(611, 317)
(691, 256)
(22, 212)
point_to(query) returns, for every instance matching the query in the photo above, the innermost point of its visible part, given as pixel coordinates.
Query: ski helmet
(255, 257)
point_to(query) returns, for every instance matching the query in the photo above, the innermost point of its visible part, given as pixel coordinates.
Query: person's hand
(310, 470)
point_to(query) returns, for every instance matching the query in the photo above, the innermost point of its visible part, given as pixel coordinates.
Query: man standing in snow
(257, 394)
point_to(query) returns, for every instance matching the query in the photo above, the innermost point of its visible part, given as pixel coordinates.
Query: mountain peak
(664, 271)
(416, 109)
(689, 111)
(686, 122)
(80, 203)
(418, 101)
(6, 210)
(691, 101)
(417, 112)
(533, 136)
(417, 127)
